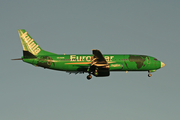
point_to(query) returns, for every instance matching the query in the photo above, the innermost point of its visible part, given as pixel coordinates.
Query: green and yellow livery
(96, 64)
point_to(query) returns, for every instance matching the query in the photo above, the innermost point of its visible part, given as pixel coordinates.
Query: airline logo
(87, 58)
(30, 43)
(80, 58)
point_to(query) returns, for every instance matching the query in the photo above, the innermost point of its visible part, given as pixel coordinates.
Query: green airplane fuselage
(96, 63)
(82, 62)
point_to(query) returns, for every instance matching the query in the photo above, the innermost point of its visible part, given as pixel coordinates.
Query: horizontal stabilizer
(17, 59)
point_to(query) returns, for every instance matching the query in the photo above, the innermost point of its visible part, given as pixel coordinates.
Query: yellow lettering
(32, 45)
(72, 57)
(79, 58)
(27, 39)
(107, 58)
(35, 47)
(88, 58)
(24, 35)
(84, 57)
(37, 50)
(112, 57)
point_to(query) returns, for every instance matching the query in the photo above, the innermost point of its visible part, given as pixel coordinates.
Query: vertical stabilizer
(30, 45)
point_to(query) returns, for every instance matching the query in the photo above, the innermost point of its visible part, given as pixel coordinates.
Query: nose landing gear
(149, 74)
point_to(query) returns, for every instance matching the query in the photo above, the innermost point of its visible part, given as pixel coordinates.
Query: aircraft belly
(70, 67)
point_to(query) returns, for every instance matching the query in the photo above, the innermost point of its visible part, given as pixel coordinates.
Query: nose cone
(162, 64)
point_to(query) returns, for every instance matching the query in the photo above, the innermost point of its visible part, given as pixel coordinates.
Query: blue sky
(75, 27)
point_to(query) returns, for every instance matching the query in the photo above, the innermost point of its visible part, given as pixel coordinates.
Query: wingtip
(94, 49)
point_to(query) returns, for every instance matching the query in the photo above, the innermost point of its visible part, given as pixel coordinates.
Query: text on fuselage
(87, 58)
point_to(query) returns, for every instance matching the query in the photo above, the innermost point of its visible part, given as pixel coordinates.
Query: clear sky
(148, 27)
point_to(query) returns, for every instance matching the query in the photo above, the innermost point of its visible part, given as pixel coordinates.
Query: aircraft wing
(98, 59)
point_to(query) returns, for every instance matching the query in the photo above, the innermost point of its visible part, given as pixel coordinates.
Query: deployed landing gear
(89, 77)
(149, 74)
(89, 70)
(96, 73)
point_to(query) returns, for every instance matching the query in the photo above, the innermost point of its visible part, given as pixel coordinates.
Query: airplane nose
(162, 64)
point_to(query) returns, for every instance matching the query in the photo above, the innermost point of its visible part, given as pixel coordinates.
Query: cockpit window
(155, 59)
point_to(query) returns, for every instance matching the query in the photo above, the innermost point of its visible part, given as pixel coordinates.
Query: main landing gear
(149, 75)
(89, 70)
(94, 73)
(89, 77)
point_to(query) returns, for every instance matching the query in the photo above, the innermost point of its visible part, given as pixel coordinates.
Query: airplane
(96, 64)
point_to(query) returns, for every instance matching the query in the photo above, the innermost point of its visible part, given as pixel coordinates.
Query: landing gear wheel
(89, 77)
(149, 75)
